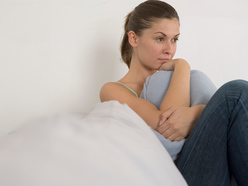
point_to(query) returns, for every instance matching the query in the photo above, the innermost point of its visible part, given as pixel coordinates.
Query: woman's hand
(177, 122)
(170, 65)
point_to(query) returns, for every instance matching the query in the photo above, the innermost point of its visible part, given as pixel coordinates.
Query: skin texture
(154, 50)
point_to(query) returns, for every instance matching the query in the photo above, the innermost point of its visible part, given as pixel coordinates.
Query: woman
(146, 50)
(217, 138)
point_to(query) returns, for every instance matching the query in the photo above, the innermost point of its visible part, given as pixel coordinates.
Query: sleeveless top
(128, 88)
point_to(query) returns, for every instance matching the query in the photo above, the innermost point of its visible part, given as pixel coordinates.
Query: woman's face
(158, 44)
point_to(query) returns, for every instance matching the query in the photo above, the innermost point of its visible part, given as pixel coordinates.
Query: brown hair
(141, 18)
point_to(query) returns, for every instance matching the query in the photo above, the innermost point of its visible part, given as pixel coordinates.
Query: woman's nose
(168, 48)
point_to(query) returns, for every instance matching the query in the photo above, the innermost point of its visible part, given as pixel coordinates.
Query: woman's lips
(164, 60)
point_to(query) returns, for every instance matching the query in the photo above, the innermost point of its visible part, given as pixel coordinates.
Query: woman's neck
(138, 72)
(136, 77)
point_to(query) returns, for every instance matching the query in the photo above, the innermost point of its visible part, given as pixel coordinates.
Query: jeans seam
(193, 146)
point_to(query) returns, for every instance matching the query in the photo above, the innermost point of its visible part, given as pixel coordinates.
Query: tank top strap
(128, 88)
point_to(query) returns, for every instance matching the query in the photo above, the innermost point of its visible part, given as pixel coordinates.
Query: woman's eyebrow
(165, 34)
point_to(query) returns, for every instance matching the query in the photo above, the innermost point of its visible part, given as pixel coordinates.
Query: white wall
(56, 54)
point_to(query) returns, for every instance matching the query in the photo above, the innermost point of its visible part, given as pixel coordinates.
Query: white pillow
(112, 145)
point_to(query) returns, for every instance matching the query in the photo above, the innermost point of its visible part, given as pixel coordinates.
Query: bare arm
(177, 122)
(178, 94)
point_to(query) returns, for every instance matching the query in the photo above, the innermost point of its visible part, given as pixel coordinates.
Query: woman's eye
(175, 40)
(160, 39)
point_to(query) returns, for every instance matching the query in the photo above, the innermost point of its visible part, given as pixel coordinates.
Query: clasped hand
(176, 123)
(170, 65)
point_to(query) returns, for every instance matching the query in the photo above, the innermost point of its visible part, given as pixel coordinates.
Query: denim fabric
(155, 88)
(218, 143)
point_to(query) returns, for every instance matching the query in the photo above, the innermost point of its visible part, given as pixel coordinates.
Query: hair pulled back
(142, 18)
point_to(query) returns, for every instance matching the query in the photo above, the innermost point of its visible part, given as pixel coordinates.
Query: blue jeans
(207, 157)
(218, 143)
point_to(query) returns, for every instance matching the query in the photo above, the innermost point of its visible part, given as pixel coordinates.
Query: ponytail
(126, 48)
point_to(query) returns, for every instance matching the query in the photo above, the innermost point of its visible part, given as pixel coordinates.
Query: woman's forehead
(166, 26)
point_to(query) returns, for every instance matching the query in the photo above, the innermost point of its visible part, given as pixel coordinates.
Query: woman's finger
(165, 116)
(167, 133)
(175, 137)
(163, 128)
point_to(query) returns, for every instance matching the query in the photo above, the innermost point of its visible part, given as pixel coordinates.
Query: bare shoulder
(115, 91)
(106, 89)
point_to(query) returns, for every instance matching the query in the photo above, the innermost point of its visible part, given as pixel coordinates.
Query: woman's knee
(233, 90)
(196, 73)
(201, 88)
(201, 78)
(156, 87)
(236, 85)
(162, 75)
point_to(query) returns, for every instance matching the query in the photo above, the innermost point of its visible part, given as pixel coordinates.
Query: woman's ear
(132, 38)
